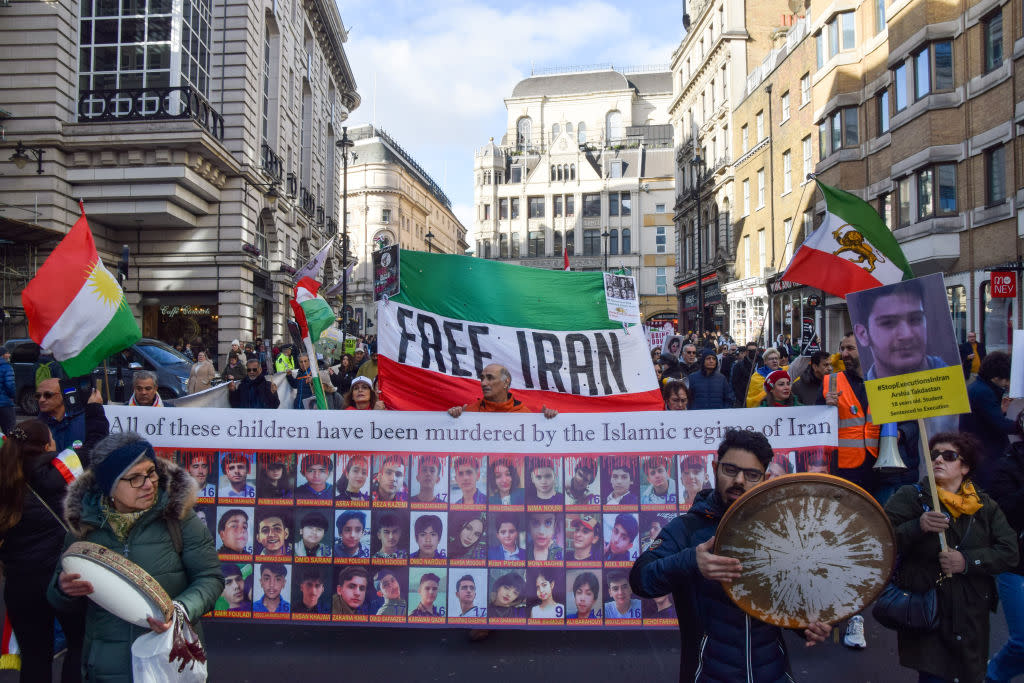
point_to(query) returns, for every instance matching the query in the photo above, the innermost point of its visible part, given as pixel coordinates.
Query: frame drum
(120, 586)
(814, 547)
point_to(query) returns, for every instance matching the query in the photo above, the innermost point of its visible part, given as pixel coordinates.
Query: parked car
(114, 381)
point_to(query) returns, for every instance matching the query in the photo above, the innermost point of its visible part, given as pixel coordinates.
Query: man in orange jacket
(495, 381)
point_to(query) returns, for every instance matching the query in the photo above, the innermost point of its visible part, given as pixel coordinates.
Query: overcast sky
(435, 73)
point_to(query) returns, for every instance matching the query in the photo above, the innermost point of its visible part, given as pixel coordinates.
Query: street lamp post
(430, 245)
(345, 143)
(606, 235)
(698, 177)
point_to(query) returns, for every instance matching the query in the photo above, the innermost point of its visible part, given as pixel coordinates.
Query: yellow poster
(928, 393)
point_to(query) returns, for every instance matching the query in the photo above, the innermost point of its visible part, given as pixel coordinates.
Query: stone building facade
(199, 133)
(584, 167)
(391, 200)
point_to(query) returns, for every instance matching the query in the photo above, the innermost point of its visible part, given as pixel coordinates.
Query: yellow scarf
(963, 502)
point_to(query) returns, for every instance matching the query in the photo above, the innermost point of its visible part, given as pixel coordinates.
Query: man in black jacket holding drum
(719, 641)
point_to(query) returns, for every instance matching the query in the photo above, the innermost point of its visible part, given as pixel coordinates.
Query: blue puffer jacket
(719, 641)
(7, 387)
(709, 392)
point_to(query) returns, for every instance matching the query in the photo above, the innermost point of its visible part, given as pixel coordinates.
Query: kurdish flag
(550, 329)
(314, 316)
(74, 306)
(851, 251)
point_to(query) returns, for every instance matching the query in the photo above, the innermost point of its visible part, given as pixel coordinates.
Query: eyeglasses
(45, 394)
(252, 371)
(136, 481)
(948, 456)
(751, 475)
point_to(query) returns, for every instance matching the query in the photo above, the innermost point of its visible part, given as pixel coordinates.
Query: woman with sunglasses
(981, 544)
(140, 506)
(33, 481)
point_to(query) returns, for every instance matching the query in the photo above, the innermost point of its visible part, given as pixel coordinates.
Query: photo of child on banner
(906, 341)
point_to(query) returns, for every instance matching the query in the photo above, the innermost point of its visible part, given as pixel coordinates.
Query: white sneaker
(855, 633)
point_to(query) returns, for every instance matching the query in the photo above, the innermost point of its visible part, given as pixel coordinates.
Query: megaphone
(889, 460)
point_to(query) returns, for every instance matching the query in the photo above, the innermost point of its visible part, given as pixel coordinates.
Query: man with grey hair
(689, 363)
(495, 381)
(144, 390)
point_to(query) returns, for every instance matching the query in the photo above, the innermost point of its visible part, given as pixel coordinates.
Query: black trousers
(32, 620)
(8, 419)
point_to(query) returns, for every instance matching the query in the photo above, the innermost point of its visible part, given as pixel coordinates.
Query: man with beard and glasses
(718, 639)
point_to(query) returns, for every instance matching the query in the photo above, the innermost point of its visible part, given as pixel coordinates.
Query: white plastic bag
(151, 656)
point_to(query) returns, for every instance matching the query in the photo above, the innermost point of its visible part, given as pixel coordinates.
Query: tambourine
(120, 586)
(814, 547)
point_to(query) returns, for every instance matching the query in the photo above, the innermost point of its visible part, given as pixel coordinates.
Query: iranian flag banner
(75, 307)
(851, 251)
(313, 315)
(550, 329)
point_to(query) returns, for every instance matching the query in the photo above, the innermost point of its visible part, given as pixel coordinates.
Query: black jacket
(254, 393)
(720, 643)
(965, 350)
(987, 422)
(739, 377)
(34, 544)
(1007, 489)
(86, 427)
(808, 387)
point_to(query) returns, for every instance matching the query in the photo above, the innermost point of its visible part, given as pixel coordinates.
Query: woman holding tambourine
(33, 481)
(137, 505)
(981, 544)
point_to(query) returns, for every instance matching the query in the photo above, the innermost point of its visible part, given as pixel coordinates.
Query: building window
(625, 204)
(535, 207)
(591, 242)
(659, 208)
(503, 208)
(882, 111)
(759, 122)
(745, 138)
(995, 175)
(515, 207)
(487, 212)
(514, 244)
(903, 201)
(557, 240)
(615, 171)
(613, 241)
(808, 155)
(936, 191)
(627, 246)
(660, 240)
(556, 130)
(524, 133)
(785, 106)
(933, 69)
(956, 297)
(557, 209)
(613, 127)
(762, 251)
(515, 174)
(808, 223)
(787, 172)
(819, 49)
(266, 88)
(570, 241)
(885, 209)
(591, 206)
(746, 197)
(613, 203)
(837, 131)
(660, 280)
(385, 215)
(879, 16)
(502, 245)
(787, 232)
(570, 201)
(992, 35)
(805, 89)
(899, 87)
(746, 256)
(760, 188)
(581, 133)
(535, 245)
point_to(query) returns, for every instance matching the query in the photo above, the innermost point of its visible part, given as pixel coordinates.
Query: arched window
(626, 246)
(570, 241)
(524, 131)
(613, 126)
(568, 129)
(555, 131)
(557, 243)
(554, 172)
(561, 172)
(613, 242)
(487, 249)
(581, 133)
(572, 171)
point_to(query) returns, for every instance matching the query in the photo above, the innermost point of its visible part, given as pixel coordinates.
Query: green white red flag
(851, 251)
(455, 315)
(313, 315)
(75, 307)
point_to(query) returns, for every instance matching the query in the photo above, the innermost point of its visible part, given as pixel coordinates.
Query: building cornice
(326, 20)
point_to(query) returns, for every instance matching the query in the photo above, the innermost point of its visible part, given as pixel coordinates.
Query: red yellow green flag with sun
(75, 307)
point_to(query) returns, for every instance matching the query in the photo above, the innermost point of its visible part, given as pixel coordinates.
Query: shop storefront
(748, 305)
(797, 315)
(716, 315)
(190, 318)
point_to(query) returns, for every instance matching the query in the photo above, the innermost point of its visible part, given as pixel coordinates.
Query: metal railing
(150, 104)
(273, 164)
(307, 202)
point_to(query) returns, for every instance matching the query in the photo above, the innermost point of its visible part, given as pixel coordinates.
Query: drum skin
(814, 547)
(120, 586)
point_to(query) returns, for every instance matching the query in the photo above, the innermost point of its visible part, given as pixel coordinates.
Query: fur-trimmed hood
(178, 491)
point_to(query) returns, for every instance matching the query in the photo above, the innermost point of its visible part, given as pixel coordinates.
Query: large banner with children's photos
(412, 518)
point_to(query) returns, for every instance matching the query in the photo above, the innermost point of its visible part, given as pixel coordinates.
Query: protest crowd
(125, 491)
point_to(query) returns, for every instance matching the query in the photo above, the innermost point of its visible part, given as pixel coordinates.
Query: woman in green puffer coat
(135, 503)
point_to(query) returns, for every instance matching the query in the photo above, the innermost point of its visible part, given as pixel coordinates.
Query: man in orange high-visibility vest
(858, 436)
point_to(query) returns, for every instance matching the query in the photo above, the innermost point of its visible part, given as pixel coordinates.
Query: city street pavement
(251, 653)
